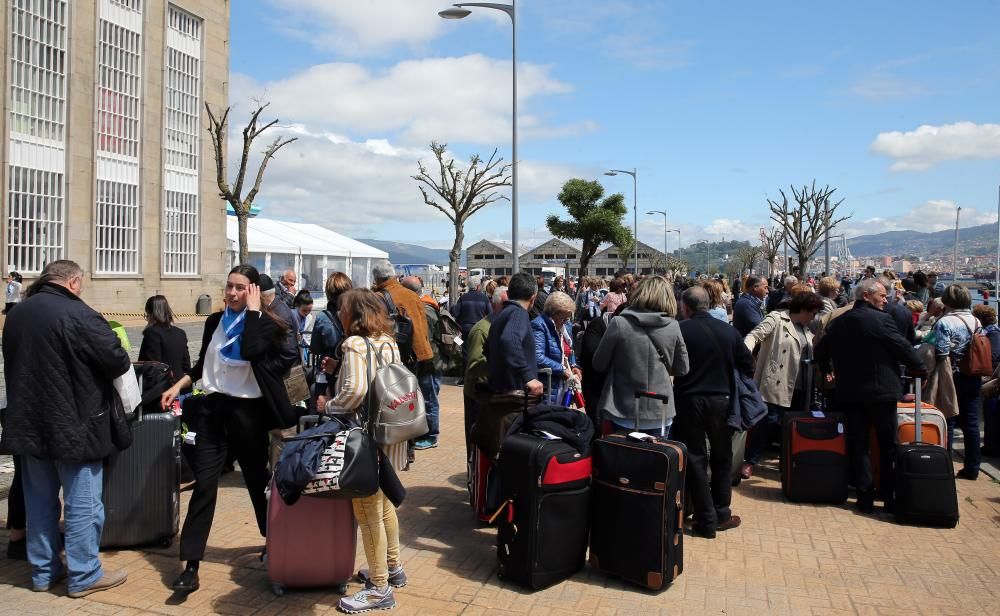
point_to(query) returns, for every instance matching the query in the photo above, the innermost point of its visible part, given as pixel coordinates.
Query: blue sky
(717, 105)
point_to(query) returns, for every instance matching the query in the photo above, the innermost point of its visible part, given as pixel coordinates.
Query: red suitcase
(479, 477)
(310, 544)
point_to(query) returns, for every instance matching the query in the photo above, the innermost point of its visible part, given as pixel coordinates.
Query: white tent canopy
(312, 251)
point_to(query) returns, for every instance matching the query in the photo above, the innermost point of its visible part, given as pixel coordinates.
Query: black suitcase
(141, 485)
(543, 522)
(925, 479)
(814, 466)
(637, 519)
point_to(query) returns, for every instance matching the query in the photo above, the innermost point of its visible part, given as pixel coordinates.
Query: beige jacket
(779, 358)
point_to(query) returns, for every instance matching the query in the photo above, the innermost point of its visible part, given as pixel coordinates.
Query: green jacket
(475, 369)
(434, 365)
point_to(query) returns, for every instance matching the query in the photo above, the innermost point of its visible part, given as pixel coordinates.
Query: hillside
(973, 241)
(400, 252)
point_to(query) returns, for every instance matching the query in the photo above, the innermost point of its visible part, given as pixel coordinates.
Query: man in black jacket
(703, 399)
(62, 430)
(862, 349)
(748, 311)
(471, 308)
(900, 314)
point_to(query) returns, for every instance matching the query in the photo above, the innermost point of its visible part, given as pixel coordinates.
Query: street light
(460, 12)
(664, 212)
(954, 273)
(708, 269)
(635, 209)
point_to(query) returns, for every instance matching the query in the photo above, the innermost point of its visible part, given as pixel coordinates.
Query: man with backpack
(407, 313)
(429, 372)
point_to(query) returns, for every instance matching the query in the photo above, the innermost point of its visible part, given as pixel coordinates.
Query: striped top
(354, 380)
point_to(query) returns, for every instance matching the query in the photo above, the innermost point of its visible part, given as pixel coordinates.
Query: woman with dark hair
(241, 366)
(14, 281)
(952, 334)
(163, 341)
(784, 339)
(615, 298)
(305, 320)
(369, 333)
(328, 333)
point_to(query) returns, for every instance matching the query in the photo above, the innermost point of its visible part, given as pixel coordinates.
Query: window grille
(34, 218)
(181, 143)
(118, 116)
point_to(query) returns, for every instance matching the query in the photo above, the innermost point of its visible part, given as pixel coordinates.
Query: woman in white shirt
(13, 291)
(241, 368)
(369, 331)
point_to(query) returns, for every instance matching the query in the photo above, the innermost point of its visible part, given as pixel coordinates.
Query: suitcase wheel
(342, 589)
(166, 542)
(278, 590)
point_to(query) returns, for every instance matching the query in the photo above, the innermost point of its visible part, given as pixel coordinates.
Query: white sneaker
(368, 600)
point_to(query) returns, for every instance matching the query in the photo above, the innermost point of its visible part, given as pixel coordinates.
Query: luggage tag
(818, 414)
(641, 436)
(547, 435)
(458, 341)
(189, 438)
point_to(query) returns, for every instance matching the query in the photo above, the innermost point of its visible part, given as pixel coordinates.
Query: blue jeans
(430, 385)
(84, 512)
(968, 390)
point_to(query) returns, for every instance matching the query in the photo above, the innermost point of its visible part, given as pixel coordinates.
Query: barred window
(38, 68)
(181, 144)
(35, 218)
(118, 88)
(117, 227)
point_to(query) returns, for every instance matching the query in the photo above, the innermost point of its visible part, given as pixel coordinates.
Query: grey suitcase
(142, 485)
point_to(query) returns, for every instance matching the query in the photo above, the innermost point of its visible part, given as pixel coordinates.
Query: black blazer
(863, 347)
(263, 346)
(168, 345)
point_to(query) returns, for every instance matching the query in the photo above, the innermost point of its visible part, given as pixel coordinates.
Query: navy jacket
(470, 309)
(510, 350)
(714, 350)
(903, 319)
(747, 314)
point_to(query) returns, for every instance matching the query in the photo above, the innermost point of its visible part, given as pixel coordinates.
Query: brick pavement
(785, 559)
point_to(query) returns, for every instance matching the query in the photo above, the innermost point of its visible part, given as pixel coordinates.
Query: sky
(716, 105)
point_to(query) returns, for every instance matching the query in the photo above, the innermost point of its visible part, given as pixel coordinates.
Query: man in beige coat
(784, 339)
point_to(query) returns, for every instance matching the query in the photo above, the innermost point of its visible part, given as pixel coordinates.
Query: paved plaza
(785, 559)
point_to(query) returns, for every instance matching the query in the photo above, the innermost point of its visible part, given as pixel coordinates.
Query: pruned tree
(806, 220)
(233, 193)
(459, 192)
(593, 218)
(770, 244)
(626, 247)
(675, 266)
(744, 258)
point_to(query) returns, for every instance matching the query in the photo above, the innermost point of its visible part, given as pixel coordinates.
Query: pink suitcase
(310, 544)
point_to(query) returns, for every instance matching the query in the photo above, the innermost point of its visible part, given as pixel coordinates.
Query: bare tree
(233, 194)
(770, 244)
(806, 221)
(744, 258)
(463, 192)
(675, 266)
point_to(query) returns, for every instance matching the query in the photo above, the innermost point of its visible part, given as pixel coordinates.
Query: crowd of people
(592, 343)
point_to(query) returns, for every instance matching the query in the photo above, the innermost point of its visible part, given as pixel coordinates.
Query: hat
(266, 284)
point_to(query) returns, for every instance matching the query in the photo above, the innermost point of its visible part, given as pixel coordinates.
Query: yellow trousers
(379, 534)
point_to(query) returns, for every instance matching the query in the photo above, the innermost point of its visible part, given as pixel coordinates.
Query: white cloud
(926, 146)
(464, 99)
(360, 28)
(647, 52)
(359, 187)
(930, 216)
(881, 87)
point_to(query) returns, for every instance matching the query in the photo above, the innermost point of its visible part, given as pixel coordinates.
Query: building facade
(494, 258)
(105, 160)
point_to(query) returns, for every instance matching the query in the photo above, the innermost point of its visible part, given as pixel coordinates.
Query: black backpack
(403, 326)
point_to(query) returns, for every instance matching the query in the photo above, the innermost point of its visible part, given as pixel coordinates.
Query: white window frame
(181, 211)
(117, 138)
(37, 104)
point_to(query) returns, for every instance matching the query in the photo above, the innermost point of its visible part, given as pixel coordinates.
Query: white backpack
(395, 404)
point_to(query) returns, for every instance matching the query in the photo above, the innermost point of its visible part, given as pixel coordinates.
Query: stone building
(106, 159)
(494, 258)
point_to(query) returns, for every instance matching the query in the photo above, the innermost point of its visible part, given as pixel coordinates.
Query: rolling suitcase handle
(663, 417)
(917, 433)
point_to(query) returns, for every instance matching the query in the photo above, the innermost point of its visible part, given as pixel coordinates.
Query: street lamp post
(678, 232)
(460, 12)
(664, 212)
(954, 262)
(635, 209)
(708, 265)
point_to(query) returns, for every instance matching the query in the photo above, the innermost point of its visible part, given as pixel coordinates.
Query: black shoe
(703, 532)
(732, 522)
(866, 504)
(17, 550)
(187, 582)
(967, 474)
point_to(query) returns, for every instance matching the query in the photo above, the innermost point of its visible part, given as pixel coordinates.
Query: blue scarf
(232, 325)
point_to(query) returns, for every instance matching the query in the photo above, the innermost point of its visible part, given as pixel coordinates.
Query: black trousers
(16, 516)
(471, 410)
(224, 425)
(701, 421)
(861, 416)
